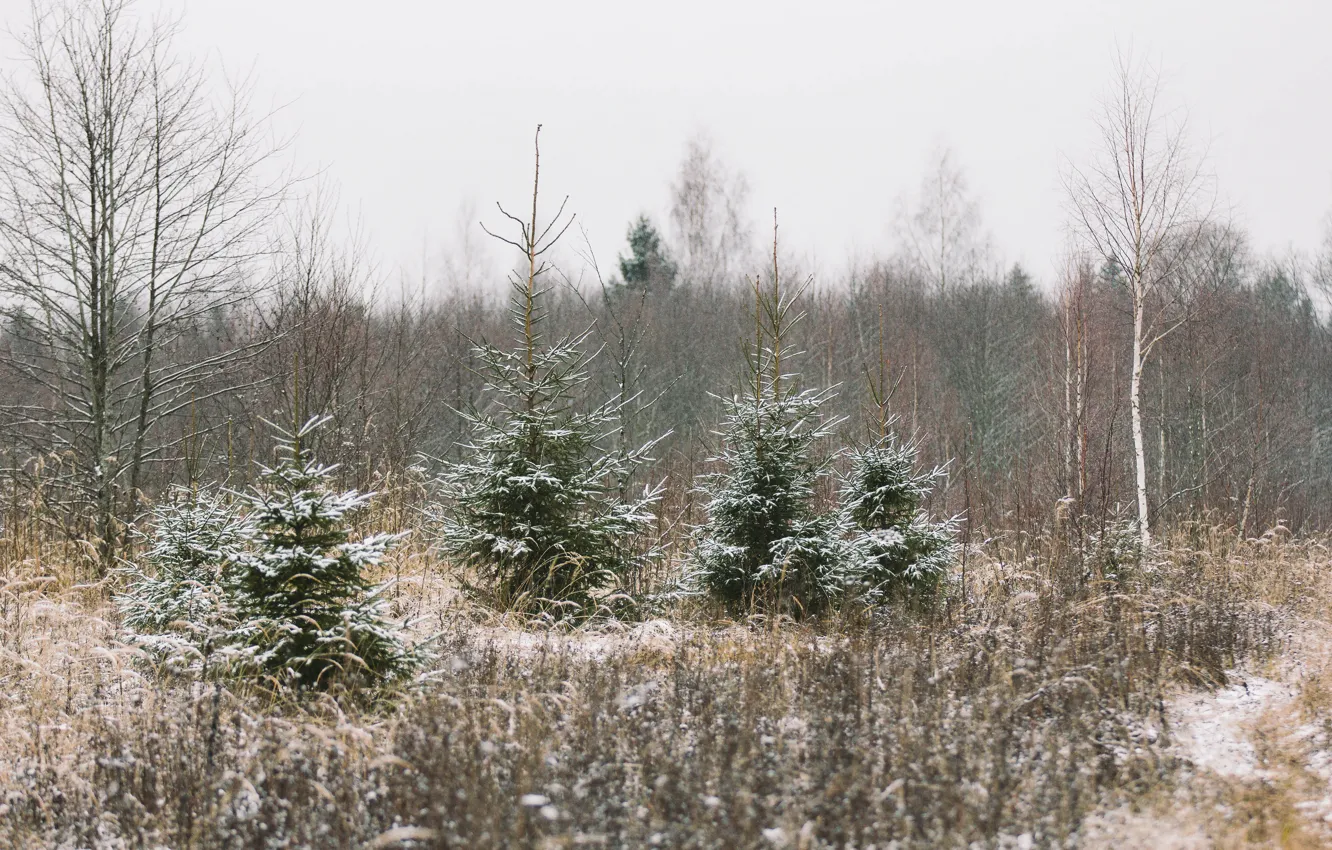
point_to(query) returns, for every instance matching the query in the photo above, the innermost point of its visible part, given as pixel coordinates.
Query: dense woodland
(1020, 384)
(165, 294)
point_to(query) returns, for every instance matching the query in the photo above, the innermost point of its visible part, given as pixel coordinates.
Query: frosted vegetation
(689, 558)
(267, 584)
(536, 507)
(180, 597)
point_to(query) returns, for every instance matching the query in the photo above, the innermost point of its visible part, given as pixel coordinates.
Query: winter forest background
(1021, 384)
(692, 545)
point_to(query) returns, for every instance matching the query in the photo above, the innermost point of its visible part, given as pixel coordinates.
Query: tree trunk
(1135, 407)
(1070, 421)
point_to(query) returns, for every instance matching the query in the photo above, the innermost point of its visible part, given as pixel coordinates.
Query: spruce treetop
(535, 507)
(649, 267)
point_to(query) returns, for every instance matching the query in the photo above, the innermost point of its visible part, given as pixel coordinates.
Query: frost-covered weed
(1015, 719)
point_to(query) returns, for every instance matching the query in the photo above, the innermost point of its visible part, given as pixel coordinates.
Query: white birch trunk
(1135, 405)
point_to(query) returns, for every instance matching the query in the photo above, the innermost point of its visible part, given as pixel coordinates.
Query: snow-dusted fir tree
(764, 545)
(178, 603)
(899, 551)
(309, 613)
(535, 508)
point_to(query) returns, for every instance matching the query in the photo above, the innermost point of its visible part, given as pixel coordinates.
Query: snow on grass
(1212, 728)
(1123, 829)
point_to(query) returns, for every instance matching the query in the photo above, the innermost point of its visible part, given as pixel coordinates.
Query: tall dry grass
(1035, 692)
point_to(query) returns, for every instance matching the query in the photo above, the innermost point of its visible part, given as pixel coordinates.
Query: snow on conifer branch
(179, 600)
(535, 507)
(310, 614)
(764, 544)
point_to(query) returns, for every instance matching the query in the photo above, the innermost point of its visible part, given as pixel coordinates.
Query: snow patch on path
(1212, 728)
(1124, 829)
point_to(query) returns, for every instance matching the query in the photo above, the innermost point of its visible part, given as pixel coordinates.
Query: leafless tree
(708, 201)
(1323, 265)
(465, 258)
(323, 287)
(941, 232)
(1141, 204)
(1074, 304)
(130, 205)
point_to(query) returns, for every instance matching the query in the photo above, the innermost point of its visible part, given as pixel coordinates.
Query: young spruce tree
(309, 614)
(764, 545)
(899, 552)
(179, 602)
(536, 508)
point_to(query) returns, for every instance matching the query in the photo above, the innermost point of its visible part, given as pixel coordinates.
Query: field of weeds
(1035, 707)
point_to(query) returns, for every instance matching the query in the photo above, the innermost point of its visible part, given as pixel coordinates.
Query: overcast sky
(831, 109)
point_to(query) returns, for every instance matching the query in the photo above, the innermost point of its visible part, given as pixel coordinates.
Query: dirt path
(1258, 756)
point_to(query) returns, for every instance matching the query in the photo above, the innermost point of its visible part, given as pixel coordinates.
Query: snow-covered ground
(1214, 729)
(1259, 733)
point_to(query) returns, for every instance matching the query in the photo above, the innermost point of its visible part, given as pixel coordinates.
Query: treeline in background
(166, 290)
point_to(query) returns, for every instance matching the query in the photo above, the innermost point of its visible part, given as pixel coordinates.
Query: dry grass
(1008, 714)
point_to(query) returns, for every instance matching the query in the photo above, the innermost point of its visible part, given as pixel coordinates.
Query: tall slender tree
(1141, 204)
(708, 216)
(941, 233)
(535, 506)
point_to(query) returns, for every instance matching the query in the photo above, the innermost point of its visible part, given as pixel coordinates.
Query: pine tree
(179, 601)
(649, 267)
(898, 551)
(536, 508)
(309, 613)
(764, 545)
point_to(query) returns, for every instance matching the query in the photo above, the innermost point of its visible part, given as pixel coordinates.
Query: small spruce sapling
(179, 599)
(764, 545)
(535, 508)
(899, 551)
(309, 613)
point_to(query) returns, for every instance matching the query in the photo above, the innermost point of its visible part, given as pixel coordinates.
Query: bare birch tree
(1141, 204)
(711, 230)
(1074, 294)
(130, 202)
(941, 232)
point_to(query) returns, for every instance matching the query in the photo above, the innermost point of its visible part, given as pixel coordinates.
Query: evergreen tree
(536, 509)
(900, 551)
(764, 545)
(309, 613)
(649, 267)
(179, 600)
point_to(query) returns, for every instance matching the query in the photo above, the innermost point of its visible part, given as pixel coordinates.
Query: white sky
(831, 109)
